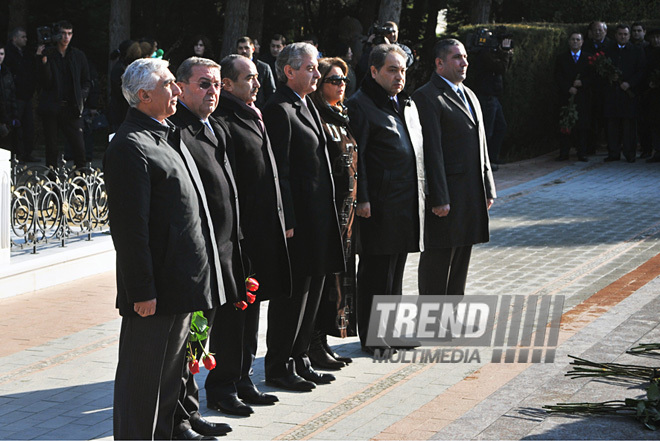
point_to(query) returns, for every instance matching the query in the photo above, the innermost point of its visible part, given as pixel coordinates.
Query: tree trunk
(236, 25)
(120, 22)
(433, 9)
(256, 23)
(480, 11)
(17, 14)
(390, 10)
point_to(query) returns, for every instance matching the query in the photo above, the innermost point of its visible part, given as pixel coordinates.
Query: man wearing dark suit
(162, 239)
(460, 182)
(573, 77)
(621, 100)
(245, 47)
(260, 200)
(206, 139)
(597, 41)
(312, 228)
(390, 192)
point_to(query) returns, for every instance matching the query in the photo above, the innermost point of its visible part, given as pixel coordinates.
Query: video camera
(485, 39)
(49, 35)
(380, 33)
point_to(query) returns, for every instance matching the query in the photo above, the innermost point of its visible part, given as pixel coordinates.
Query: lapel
(452, 96)
(250, 123)
(196, 128)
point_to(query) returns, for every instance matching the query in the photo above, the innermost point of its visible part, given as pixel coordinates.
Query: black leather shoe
(310, 374)
(206, 427)
(630, 160)
(253, 396)
(561, 158)
(291, 382)
(191, 434)
(583, 159)
(322, 360)
(653, 159)
(610, 159)
(231, 405)
(336, 356)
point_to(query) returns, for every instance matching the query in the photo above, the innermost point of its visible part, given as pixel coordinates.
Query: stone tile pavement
(587, 231)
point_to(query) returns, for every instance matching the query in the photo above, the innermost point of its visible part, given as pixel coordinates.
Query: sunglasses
(336, 80)
(205, 84)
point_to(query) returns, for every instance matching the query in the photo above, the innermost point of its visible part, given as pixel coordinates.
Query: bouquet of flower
(199, 332)
(606, 69)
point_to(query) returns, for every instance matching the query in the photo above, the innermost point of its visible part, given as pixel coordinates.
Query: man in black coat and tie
(597, 41)
(312, 228)
(573, 77)
(461, 188)
(621, 96)
(164, 253)
(204, 142)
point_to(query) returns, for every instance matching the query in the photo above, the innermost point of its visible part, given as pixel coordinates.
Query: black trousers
(234, 337)
(443, 271)
(377, 275)
(148, 378)
(25, 143)
(72, 127)
(621, 131)
(290, 327)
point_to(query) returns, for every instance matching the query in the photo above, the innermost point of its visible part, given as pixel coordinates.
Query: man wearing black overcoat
(164, 253)
(390, 183)
(461, 188)
(205, 139)
(573, 77)
(312, 228)
(597, 41)
(621, 97)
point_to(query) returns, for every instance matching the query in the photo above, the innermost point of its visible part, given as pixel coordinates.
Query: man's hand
(577, 83)
(625, 86)
(506, 44)
(146, 308)
(363, 209)
(490, 202)
(572, 90)
(289, 233)
(441, 210)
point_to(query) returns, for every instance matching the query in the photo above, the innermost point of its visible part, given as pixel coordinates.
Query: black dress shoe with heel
(206, 427)
(322, 360)
(310, 374)
(251, 395)
(291, 382)
(231, 405)
(191, 434)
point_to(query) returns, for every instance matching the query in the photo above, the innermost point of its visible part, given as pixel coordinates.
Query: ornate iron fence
(49, 205)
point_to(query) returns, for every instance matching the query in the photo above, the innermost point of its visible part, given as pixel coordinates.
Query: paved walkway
(587, 231)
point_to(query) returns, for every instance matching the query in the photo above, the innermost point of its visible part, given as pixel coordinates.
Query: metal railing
(53, 205)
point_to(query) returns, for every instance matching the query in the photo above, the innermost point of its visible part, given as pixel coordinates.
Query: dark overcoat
(215, 171)
(299, 145)
(630, 60)
(566, 72)
(267, 81)
(390, 170)
(155, 221)
(457, 167)
(262, 215)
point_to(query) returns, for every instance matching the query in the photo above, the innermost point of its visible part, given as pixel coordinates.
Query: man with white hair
(161, 238)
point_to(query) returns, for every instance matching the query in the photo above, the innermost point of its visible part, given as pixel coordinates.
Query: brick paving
(587, 231)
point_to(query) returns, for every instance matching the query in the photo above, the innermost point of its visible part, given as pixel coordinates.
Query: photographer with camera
(386, 34)
(490, 56)
(63, 74)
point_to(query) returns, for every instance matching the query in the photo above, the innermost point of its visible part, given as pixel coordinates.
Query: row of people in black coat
(613, 85)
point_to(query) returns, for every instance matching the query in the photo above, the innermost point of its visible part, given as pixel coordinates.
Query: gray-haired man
(161, 239)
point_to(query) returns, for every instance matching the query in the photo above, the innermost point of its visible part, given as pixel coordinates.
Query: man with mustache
(390, 179)
(203, 146)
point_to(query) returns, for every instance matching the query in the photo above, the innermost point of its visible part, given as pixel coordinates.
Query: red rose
(209, 362)
(241, 305)
(250, 297)
(252, 284)
(193, 365)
